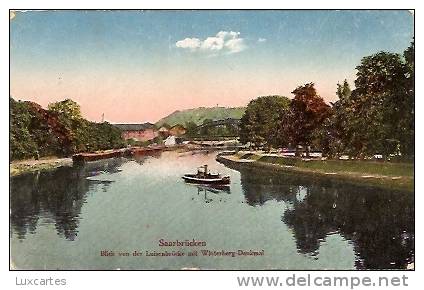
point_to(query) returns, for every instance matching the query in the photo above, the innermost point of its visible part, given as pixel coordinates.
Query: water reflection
(378, 222)
(55, 197)
(142, 157)
(212, 193)
(259, 188)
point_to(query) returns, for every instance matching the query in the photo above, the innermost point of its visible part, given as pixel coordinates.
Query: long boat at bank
(82, 158)
(88, 157)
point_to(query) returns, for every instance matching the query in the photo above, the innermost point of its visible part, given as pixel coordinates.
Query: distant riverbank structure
(177, 130)
(228, 127)
(147, 131)
(138, 132)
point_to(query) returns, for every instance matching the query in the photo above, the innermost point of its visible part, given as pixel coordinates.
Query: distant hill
(198, 115)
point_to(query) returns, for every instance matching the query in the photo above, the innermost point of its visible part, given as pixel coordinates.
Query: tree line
(59, 130)
(376, 117)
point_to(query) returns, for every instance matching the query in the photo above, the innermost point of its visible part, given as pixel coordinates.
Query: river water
(66, 219)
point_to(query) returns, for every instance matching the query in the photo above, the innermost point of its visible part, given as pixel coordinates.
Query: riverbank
(18, 167)
(31, 165)
(382, 174)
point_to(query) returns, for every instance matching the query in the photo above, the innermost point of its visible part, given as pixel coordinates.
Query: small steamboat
(204, 177)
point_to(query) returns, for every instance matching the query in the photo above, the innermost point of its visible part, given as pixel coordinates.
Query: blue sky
(192, 58)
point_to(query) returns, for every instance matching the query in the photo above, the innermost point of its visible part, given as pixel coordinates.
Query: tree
(343, 91)
(69, 113)
(22, 144)
(37, 132)
(67, 108)
(408, 122)
(260, 123)
(191, 129)
(52, 136)
(104, 136)
(307, 113)
(204, 131)
(333, 133)
(231, 129)
(381, 107)
(59, 131)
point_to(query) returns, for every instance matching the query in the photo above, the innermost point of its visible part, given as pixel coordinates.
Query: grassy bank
(31, 165)
(384, 174)
(354, 166)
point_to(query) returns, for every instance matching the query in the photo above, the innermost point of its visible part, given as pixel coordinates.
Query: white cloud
(228, 34)
(190, 43)
(235, 45)
(213, 43)
(261, 39)
(223, 42)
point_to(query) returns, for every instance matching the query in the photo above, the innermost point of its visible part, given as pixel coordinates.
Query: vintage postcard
(212, 139)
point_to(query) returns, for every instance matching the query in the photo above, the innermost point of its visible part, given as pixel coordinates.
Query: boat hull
(220, 181)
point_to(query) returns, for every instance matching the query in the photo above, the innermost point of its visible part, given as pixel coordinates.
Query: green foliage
(212, 129)
(205, 131)
(59, 131)
(67, 108)
(343, 91)
(231, 130)
(307, 113)
(36, 132)
(380, 110)
(408, 122)
(165, 125)
(103, 136)
(158, 140)
(261, 122)
(332, 133)
(191, 129)
(377, 117)
(22, 144)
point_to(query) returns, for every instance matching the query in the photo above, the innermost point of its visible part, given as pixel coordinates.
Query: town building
(177, 130)
(138, 132)
(172, 141)
(163, 131)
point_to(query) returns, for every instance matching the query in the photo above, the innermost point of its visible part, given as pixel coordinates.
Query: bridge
(231, 126)
(215, 123)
